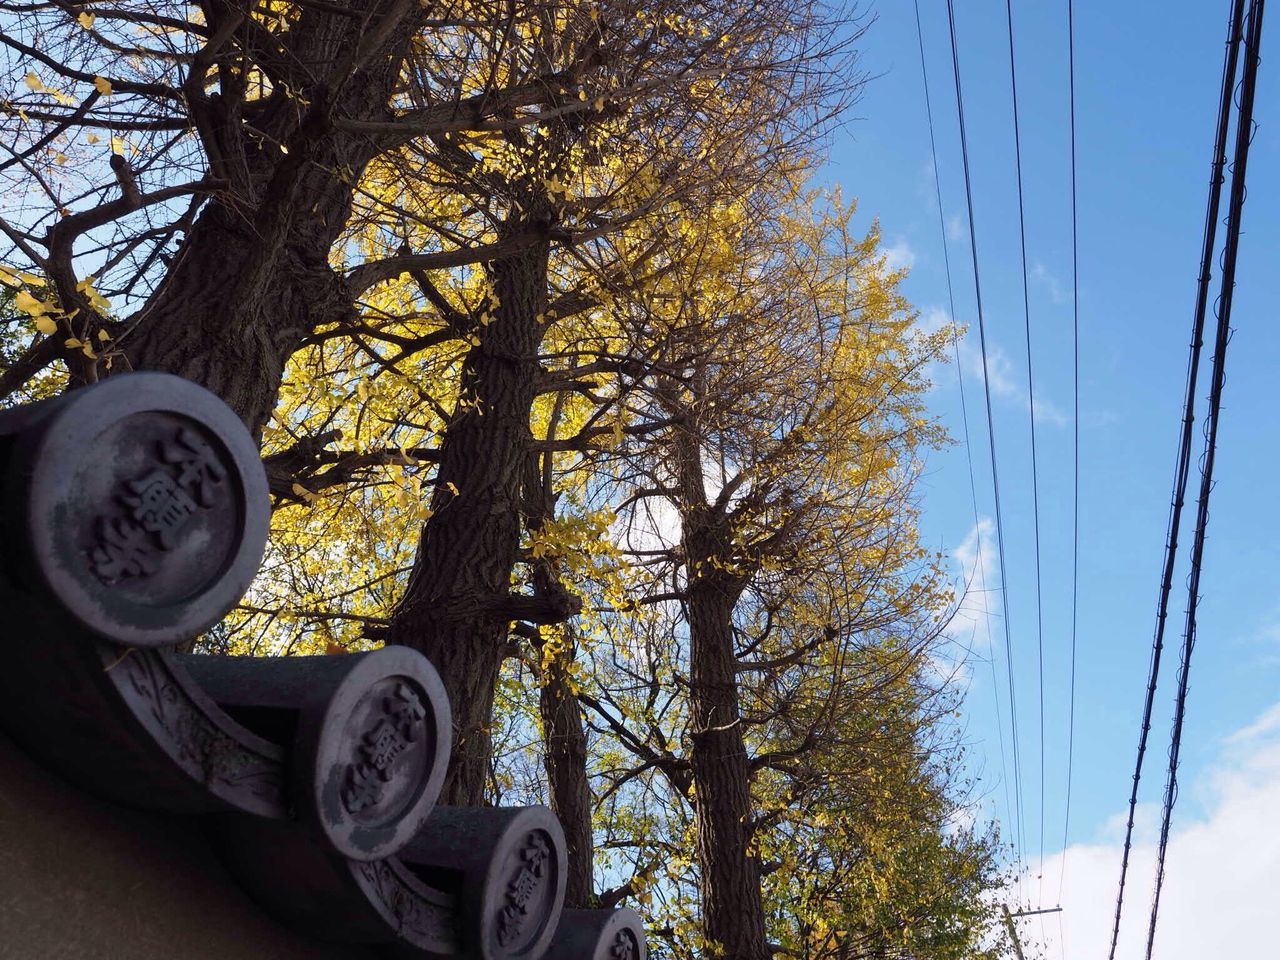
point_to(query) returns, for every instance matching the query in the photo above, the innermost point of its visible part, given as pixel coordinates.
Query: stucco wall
(82, 879)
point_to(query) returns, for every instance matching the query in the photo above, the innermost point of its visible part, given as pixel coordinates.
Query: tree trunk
(236, 305)
(564, 736)
(729, 876)
(565, 741)
(252, 278)
(457, 606)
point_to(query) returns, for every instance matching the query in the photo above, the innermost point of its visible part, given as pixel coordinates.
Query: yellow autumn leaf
(117, 145)
(86, 20)
(34, 83)
(92, 138)
(46, 325)
(72, 342)
(97, 300)
(30, 305)
(102, 85)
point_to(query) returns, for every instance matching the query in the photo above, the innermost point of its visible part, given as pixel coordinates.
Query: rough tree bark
(252, 277)
(240, 302)
(458, 602)
(565, 744)
(728, 873)
(564, 735)
(252, 280)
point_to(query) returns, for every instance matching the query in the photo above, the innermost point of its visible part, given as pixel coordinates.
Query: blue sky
(1147, 81)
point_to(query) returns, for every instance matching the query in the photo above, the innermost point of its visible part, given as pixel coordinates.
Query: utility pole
(1013, 931)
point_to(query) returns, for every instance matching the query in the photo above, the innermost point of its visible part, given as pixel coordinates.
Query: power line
(1031, 401)
(1075, 459)
(1244, 135)
(986, 385)
(964, 405)
(1183, 466)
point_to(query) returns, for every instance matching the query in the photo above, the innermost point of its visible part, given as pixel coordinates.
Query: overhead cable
(1183, 467)
(1235, 210)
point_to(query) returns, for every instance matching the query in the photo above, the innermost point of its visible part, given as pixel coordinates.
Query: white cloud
(998, 368)
(899, 254)
(1049, 412)
(653, 523)
(1265, 725)
(977, 613)
(1006, 381)
(1219, 895)
(955, 228)
(931, 321)
(1057, 292)
(1266, 638)
(980, 581)
(962, 819)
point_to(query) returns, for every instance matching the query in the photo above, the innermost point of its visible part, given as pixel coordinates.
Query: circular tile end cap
(523, 891)
(377, 755)
(598, 934)
(622, 937)
(145, 508)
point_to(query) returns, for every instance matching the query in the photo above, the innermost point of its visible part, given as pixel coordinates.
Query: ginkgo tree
(272, 168)
(762, 694)
(491, 281)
